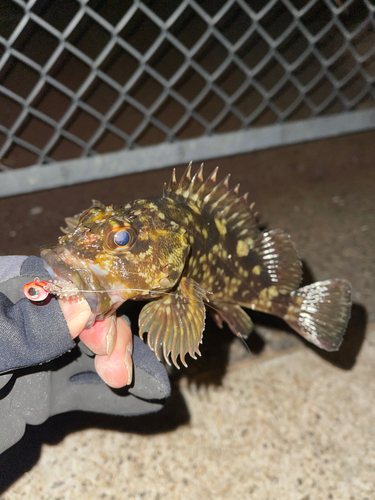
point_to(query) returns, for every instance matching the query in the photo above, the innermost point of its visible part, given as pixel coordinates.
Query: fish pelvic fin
(234, 316)
(320, 312)
(175, 322)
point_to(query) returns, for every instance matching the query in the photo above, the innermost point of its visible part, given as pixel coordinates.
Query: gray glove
(31, 394)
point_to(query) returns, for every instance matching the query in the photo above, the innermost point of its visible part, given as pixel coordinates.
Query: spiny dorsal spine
(213, 196)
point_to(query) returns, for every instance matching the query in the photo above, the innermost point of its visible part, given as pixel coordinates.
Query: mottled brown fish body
(197, 245)
(215, 263)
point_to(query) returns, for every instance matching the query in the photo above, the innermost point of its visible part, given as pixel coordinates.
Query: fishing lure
(37, 290)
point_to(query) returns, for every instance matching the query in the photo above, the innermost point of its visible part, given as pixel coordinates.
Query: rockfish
(196, 246)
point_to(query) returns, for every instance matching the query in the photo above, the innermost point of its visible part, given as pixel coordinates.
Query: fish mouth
(65, 267)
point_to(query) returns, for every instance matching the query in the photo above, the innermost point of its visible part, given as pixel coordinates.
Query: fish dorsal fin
(280, 265)
(215, 198)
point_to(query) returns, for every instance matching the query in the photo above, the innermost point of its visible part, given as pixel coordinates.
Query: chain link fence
(82, 78)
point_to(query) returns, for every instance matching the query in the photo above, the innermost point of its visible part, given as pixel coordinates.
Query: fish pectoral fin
(175, 322)
(235, 317)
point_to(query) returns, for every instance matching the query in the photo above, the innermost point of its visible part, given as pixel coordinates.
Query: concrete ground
(293, 427)
(285, 421)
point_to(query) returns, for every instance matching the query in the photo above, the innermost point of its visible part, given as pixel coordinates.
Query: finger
(77, 313)
(116, 369)
(101, 337)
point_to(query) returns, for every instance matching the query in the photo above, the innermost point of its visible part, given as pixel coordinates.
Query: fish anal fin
(234, 316)
(175, 322)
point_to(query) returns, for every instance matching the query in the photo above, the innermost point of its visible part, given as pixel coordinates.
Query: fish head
(118, 253)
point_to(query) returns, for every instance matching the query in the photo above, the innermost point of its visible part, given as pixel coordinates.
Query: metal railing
(84, 78)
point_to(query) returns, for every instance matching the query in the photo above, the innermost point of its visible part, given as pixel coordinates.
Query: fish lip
(64, 266)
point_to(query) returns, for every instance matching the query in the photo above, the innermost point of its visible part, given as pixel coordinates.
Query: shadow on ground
(346, 356)
(24, 455)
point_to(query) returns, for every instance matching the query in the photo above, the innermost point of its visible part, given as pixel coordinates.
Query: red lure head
(35, 291)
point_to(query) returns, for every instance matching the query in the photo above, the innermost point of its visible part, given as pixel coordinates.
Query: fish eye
(120, 238)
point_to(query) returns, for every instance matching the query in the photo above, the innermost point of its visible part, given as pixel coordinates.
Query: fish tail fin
(320, 312)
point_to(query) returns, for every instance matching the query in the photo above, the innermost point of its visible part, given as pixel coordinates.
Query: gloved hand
(38, 380)
(31, 395)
